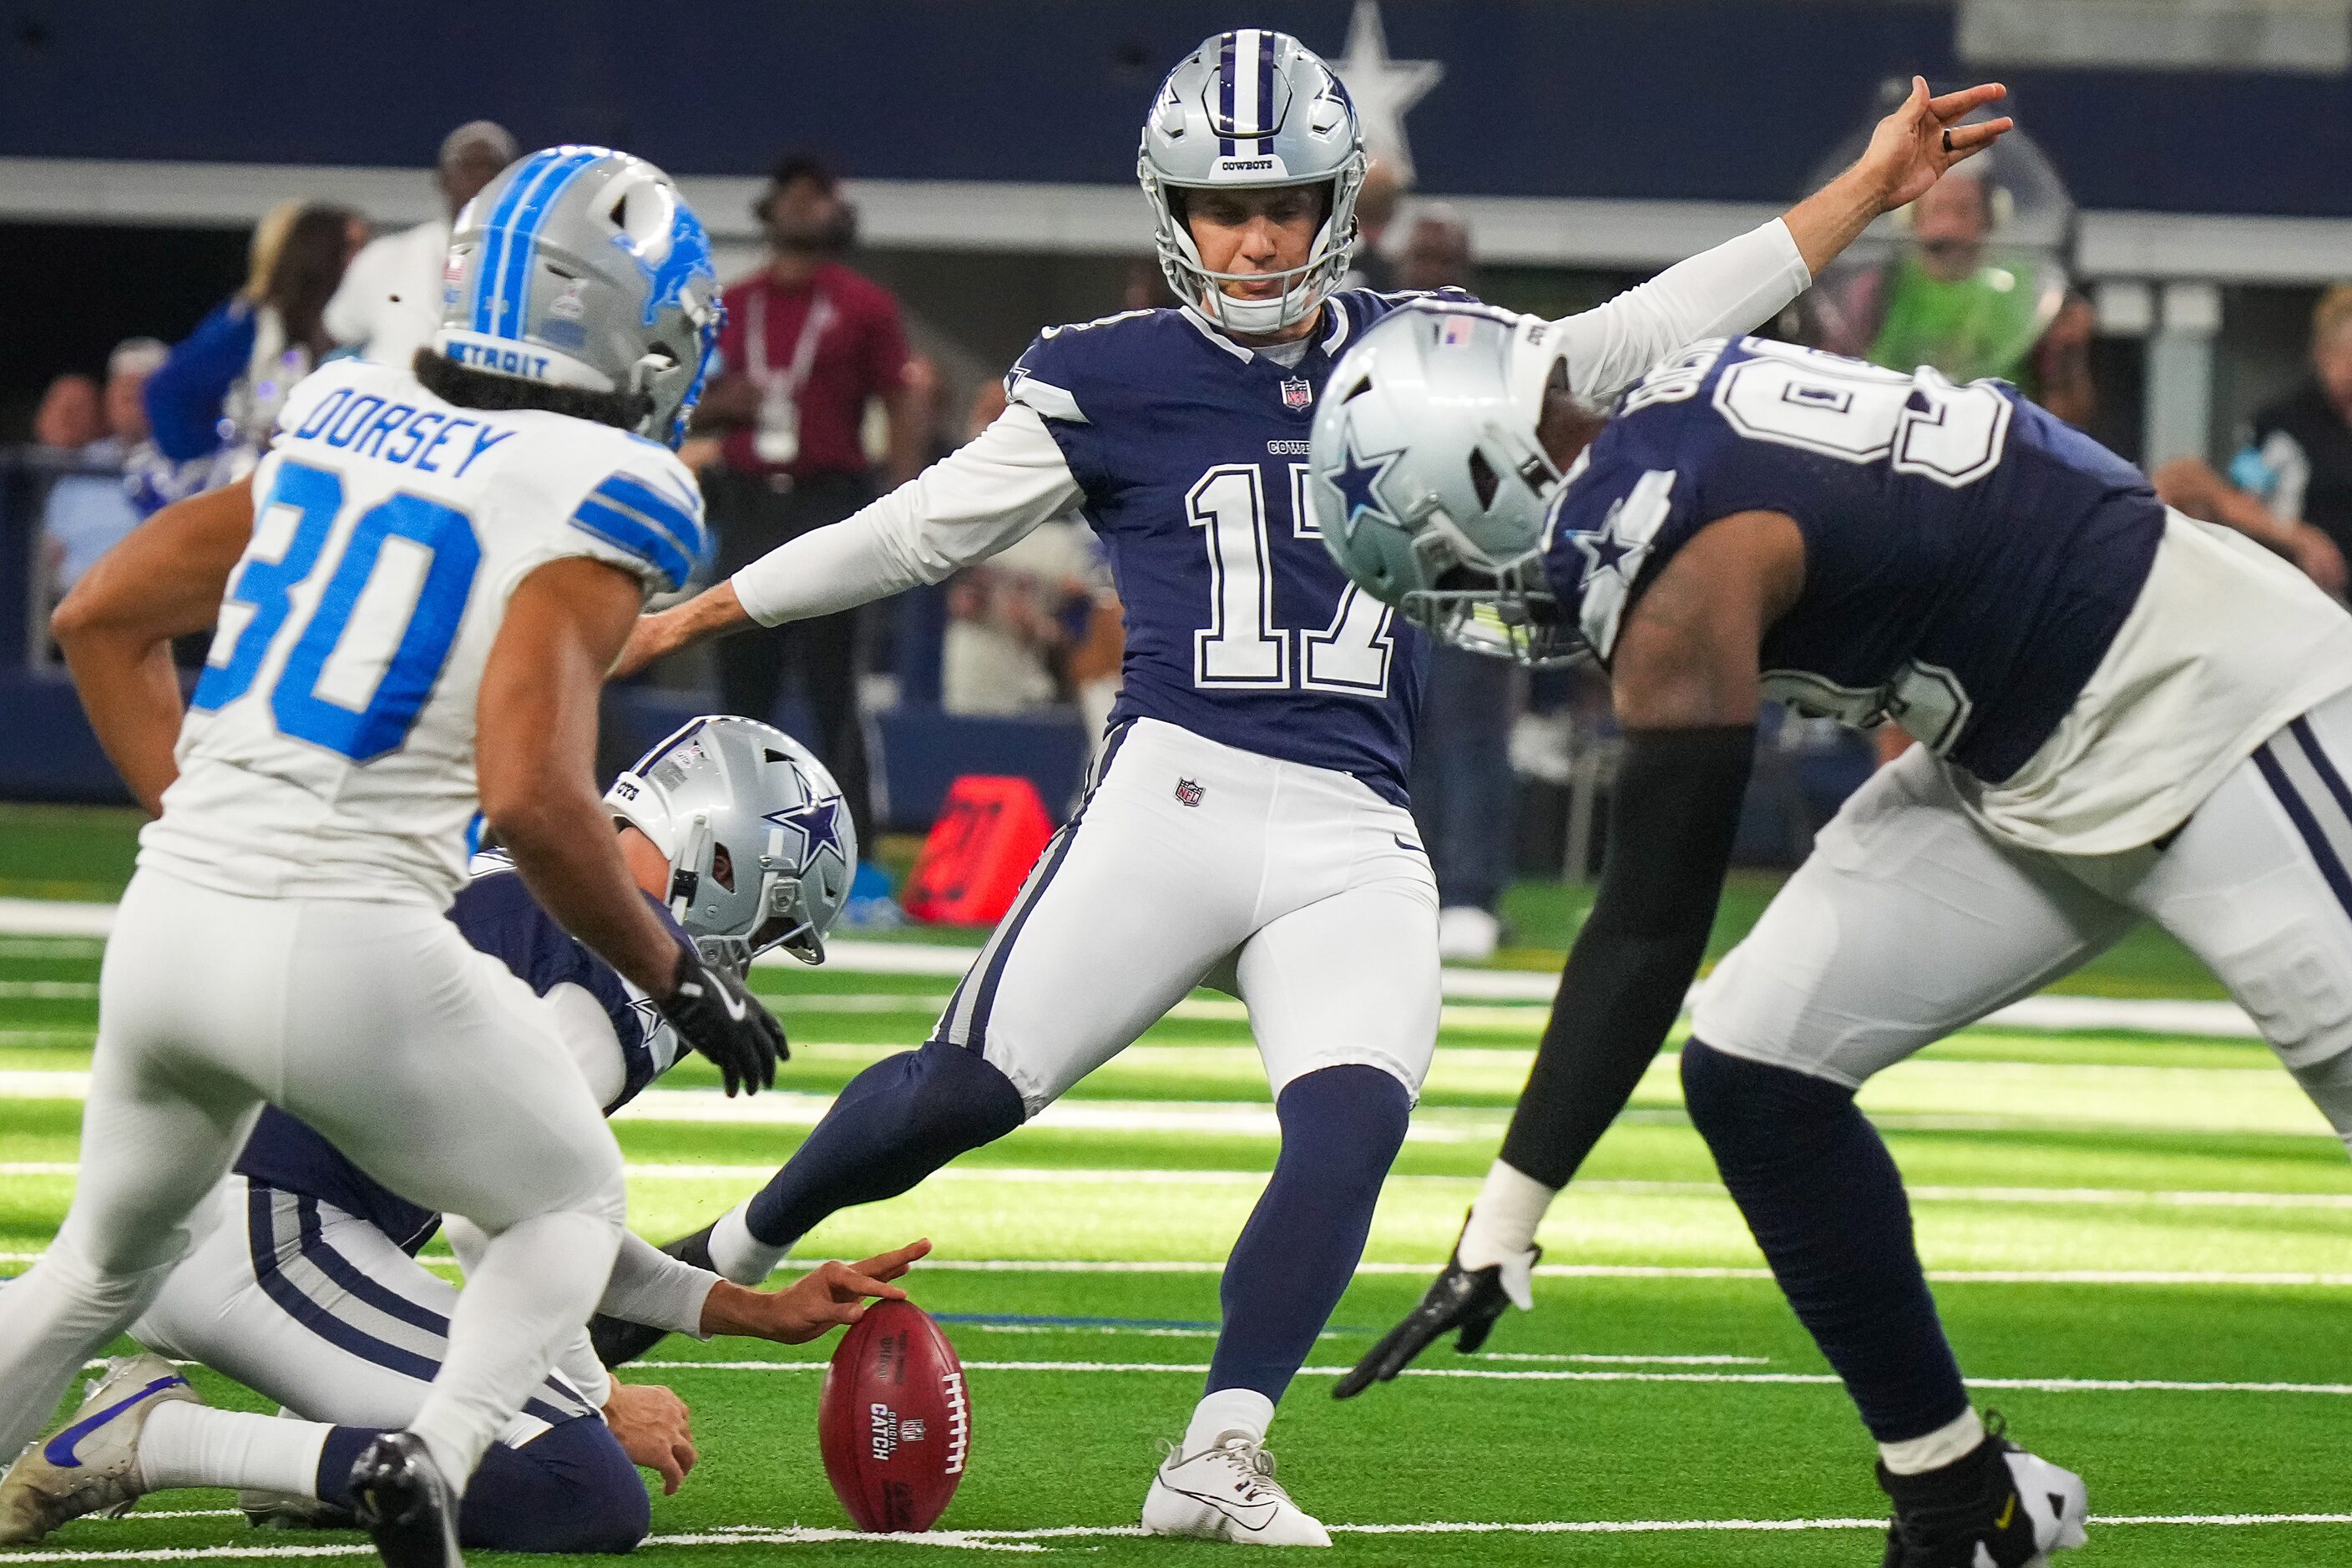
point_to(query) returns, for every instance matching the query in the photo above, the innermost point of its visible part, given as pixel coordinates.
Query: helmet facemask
(1304, 287)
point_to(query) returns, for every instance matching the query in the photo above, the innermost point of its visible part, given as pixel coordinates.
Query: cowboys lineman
(2122, 715)
(1246, 823)
(310, 1292)
(418, 594)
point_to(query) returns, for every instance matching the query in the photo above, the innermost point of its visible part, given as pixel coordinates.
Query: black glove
(715, 1013)
(1465, 1298)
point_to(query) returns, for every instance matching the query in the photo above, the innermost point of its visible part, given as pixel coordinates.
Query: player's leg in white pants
(1342, 985)
(185, 1051)
(458, 1093)
(323, 1313)
(1908, 922)
(2258, 884)
(1127, 908)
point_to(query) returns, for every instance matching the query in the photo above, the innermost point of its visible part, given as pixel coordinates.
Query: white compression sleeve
(967, 506)
(1736, 286)
(652, 1288)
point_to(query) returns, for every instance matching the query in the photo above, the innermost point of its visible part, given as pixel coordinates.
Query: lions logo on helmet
(585, 267)
(760, 844)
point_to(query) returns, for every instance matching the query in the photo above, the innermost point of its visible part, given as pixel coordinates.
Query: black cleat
(1997, 1506)
(404, 1505)
(1469, 1300)
(616, 1341)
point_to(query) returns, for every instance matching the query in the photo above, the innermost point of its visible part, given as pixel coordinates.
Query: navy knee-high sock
(572, 1488)
(1342, 1127)
(1825, 1203)
(896, 1122)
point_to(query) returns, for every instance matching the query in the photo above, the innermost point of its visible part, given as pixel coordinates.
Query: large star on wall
(1382, 89)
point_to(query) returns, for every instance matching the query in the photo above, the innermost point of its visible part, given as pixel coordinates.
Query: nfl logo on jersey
(1297, 394)
(1189, 792)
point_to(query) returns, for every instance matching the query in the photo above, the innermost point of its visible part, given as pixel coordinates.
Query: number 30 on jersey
(374, 645)
(1241, 649)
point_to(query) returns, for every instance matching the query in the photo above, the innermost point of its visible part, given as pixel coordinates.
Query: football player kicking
(1247, 826)
(310, 1293)
(418, 594)
(2121, 714)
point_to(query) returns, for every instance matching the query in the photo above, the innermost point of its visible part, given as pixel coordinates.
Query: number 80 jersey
(329, 747)
(1969, 558)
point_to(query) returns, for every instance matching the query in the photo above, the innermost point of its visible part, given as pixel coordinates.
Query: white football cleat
(1227, 1492)
(91, 1464)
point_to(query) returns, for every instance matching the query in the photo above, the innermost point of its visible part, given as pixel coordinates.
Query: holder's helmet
(1252, 109)
(1428, 482)
(761, 847)
(585, 267)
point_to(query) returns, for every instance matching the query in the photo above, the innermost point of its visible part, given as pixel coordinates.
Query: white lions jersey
(329, 748)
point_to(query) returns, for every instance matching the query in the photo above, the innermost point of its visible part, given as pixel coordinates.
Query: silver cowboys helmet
(1251, 109)
(759, 843)
(585, 267)
(1428, 482)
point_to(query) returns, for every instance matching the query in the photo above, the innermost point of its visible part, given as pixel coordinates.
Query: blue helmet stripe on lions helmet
(515, 257)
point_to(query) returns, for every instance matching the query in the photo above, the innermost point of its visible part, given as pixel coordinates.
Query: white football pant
(1910, 921)
(427, 1063)
(1296, 889)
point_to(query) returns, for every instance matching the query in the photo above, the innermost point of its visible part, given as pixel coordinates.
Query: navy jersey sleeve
(496, 915)
(1625, 509)
(1072, 377)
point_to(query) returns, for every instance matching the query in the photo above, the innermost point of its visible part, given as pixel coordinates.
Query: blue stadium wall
(1655, 100)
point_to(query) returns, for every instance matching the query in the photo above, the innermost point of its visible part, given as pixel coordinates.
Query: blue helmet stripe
(514, 268)
(494, 236)
(1225, 93)
(1265, 121)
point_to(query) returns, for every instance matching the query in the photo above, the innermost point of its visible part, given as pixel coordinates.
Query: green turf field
(2143, 1243)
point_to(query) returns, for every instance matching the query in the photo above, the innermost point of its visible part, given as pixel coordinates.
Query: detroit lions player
(2122, 715)
(1246, 823)
(311, 1294)
(417, 594)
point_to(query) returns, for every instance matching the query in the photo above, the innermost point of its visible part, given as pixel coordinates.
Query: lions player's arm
(535, 762)
(117, 625)
(1683, 673)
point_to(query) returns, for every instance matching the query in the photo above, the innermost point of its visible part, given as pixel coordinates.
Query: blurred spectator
(2298, 461)
(88, 513)
(389, 304)
(1015, 621)
(2290, 488)
(1465, 795)
(1436, 252)
(1146, 286)
(213, 402)
(68, 417)
(807, 345)
(1376, 208)
(1950, 303)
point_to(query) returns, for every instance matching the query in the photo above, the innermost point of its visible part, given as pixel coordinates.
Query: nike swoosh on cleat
(2008, 1512)
(1228, 1509)
(59, 1449)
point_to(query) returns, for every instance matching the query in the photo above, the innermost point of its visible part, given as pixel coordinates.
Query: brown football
(895, 1422)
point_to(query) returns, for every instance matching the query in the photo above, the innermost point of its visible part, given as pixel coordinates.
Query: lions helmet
(761, 847)
(1251, 109)
(1428, 482)
(582, 266)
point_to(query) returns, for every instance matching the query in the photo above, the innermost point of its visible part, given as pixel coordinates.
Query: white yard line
(1490, 1374)
(1031, 1540)
(1191, 1118)
(45, 918)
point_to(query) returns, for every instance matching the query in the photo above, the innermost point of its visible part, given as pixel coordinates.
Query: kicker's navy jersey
(1969, 558)
(1192, 452)
(496, 915)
